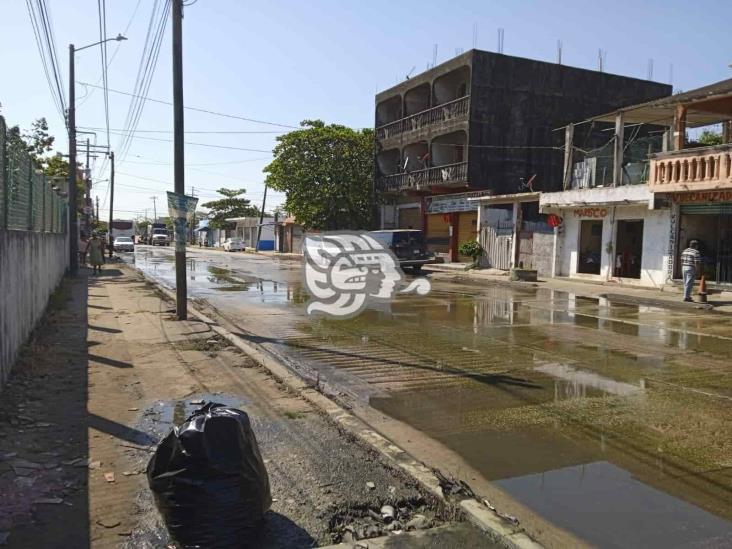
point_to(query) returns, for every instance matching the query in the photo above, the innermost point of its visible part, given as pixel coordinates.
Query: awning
(507, 198)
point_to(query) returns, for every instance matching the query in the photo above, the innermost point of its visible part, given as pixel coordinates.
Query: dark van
(408, 246)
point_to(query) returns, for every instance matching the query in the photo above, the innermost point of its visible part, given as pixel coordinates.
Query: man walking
(690, 260)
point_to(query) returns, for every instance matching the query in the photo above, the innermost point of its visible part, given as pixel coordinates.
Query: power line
(45, 41)
(193, 131)
(227, 147)
(102, 12)
(114, 54)
(158, 163)
(207, 111)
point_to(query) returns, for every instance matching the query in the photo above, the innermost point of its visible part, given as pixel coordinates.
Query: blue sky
(285, 61)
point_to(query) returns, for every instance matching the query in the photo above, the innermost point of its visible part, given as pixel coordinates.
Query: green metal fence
(29, 201)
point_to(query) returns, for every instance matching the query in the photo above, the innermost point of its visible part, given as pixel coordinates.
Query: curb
(664, 303)
(484, 518)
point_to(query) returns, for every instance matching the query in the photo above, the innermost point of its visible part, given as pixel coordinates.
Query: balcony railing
(453, 110)
(423, 179)
(692, 169)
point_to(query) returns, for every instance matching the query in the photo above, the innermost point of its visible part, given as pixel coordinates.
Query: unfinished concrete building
(482, 123)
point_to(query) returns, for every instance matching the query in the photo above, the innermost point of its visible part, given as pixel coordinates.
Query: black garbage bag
(209, 481)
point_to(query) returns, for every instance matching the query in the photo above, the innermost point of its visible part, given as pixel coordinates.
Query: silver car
(124, 244)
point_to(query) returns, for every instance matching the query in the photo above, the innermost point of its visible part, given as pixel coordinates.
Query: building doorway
(590, 247)
(711, 225)
(629, 249)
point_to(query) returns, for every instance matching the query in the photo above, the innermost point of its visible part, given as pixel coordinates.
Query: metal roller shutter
(410, 218)
(723, 208)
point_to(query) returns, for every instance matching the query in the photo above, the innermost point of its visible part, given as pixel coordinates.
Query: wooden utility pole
(111, 203)
(181, 286)
(73, 219)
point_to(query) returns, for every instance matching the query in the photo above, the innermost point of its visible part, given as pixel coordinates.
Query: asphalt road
(606, 422)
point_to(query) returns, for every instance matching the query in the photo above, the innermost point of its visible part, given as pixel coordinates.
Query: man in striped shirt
(690, 260)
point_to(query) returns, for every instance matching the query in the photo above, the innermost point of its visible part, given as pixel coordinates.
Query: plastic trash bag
(209, 481)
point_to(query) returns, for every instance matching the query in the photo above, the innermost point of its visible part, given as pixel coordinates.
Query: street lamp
(73, 218)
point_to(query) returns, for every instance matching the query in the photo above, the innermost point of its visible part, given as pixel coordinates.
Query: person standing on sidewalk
(95, 247)
(690, 261)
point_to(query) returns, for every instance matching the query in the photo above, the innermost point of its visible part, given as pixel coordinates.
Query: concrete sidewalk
(108, 374)
(718, 301)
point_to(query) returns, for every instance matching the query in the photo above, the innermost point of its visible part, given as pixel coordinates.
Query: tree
(326, 173)
(38, 140)
(229, 206)
(708, 138)
(142, 226)
(55, 167)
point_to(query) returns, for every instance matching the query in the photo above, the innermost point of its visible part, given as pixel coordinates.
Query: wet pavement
(610, 420)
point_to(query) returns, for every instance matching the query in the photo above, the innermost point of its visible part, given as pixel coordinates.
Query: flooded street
(611, 421)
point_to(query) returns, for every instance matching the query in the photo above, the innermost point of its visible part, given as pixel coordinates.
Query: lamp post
(73, 214)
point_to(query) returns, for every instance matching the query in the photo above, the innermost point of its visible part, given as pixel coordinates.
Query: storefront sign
(597, 213)
(451, 203)
(702, 196)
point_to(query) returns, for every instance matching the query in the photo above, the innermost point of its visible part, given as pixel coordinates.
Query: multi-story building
(482, 123)
(631, 207)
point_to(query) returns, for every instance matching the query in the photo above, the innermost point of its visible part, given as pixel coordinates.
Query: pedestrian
(690, 261)
(83, 242)
(95, 247)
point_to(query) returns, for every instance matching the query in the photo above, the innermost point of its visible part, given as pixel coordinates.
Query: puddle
(528, 383)
(607, 506)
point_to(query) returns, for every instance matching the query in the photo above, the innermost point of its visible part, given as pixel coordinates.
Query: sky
(281, 62)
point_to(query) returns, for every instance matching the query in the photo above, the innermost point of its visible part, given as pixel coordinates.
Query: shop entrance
(629, 249)
(711, 225)
(590, 247)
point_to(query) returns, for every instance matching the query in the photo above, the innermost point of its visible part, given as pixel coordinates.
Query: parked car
(408, 246)
(124, 244)
(234, 245)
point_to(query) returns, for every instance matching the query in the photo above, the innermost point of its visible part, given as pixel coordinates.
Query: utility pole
(87, 191)
(73, 219)
(155, 209)
(181, 286)
(111, 202)
(261, 218)
(97, 216)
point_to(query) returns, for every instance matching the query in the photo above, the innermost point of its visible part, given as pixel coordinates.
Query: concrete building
(482, 122)
(609, 233)
(632, 205)
(247, 228)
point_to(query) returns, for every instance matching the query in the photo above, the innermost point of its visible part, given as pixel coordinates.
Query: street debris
(108, 523)
(370, 485)
(109, 477)
(48, 501)
(209, 497)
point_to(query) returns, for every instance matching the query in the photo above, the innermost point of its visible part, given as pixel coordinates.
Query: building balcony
(707, 168)
(456, 111)
(439, 176)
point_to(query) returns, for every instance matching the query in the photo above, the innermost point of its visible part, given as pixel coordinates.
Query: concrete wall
(31, 266)
(654, 262)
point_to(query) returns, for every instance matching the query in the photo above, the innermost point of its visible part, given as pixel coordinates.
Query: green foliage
(38, 140)
(56, 167)
(229, 206)
(142, 226)
(326, 172)
(99, 226)
(708, 138)
(472, 249)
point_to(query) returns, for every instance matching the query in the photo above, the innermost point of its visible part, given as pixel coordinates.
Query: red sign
(554, 220)
(598, 213)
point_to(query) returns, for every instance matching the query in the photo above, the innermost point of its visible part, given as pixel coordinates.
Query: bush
(472, 249)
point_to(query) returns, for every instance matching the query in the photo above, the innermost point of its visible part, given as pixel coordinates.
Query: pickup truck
(160, 237)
